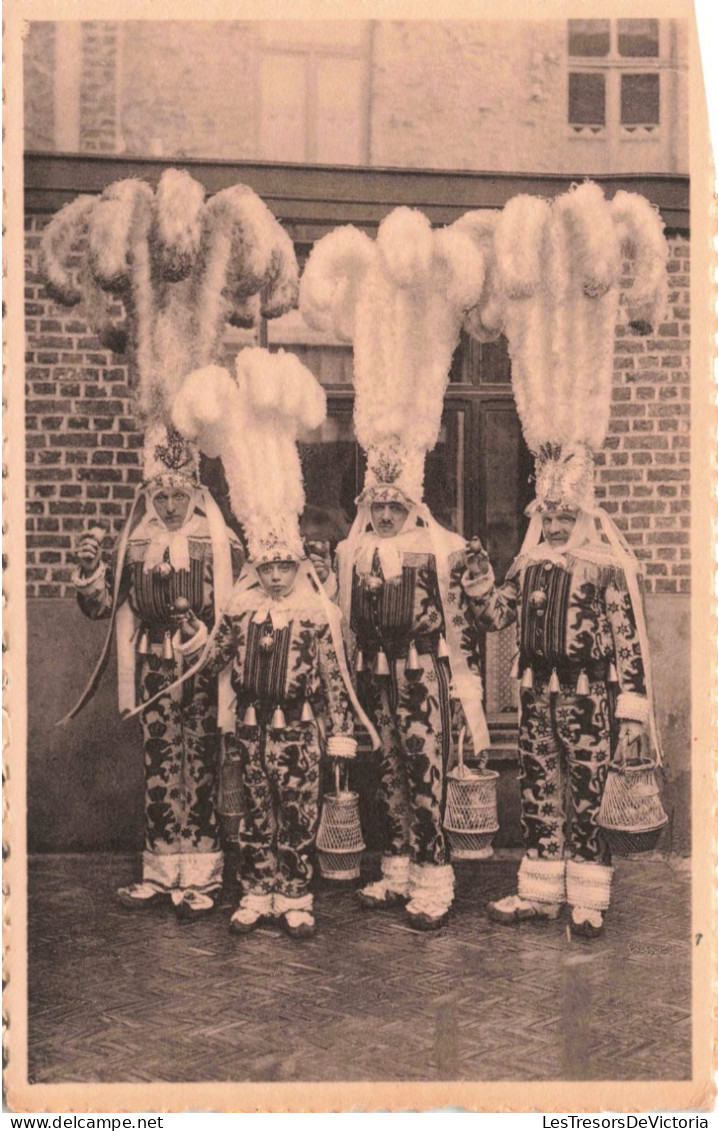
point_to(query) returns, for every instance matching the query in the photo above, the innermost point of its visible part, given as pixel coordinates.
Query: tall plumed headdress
(555, 275)
(252, 422)
(401, 300)
(180, 266)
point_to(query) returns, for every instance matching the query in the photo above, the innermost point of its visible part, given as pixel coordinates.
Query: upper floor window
(314, 103)
(614, 78)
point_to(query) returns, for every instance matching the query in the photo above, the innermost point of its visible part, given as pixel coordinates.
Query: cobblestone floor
(118, 996)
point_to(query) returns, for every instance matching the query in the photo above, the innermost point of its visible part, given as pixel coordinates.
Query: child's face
(277, 578)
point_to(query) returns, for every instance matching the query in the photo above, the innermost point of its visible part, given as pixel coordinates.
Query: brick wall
(84, 453)
(38, 86)
(98, 87)
(644, 477)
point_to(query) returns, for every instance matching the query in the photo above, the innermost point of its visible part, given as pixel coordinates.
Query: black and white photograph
(359, 651)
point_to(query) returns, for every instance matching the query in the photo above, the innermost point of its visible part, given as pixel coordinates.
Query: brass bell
(538, 602)
(168, 652)
(527, 679)
(266, 643)
(143, 647)
(412, 659)
(307, 715)
(582, 684)
(442, 650)
(612, 673)
(514, 673)
(381, 664)
(278, 720)
(553, 684)
(250, 716)
(359, 661)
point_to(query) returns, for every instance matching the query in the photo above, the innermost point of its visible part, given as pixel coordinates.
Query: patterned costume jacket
(179, 730)
(576, 621)
(411, 709)
(287, 665)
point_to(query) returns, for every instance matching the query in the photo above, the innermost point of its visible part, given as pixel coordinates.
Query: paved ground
(122, 996)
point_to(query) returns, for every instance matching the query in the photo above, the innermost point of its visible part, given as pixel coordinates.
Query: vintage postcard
(359, 644)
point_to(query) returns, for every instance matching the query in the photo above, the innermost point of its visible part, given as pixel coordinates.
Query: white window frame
(613, 66)
(313, 53)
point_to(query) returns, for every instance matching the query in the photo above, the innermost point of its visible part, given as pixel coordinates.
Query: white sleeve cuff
(96, 580)
(341, 746)
(195, 643)
(478, 587)
(631, 706)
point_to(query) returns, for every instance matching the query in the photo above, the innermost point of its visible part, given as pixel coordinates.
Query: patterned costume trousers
(564, 754)
(181, 742)
(411, 713)
(280, 817)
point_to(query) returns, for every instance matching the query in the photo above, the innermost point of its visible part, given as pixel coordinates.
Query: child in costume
(280, 633)
(180, 267)
(402, 300)
(573, 591)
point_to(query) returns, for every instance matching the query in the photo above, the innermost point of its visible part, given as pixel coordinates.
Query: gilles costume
(402, 300)
(583, 659)
(151, 568)
(180, 267)
(293, 697)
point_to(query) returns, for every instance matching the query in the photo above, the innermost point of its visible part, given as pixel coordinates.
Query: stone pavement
(122, 996)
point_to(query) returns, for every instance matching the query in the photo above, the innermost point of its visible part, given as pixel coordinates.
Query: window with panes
(615, 74)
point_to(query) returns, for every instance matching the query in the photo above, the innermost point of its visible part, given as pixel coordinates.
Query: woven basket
(471, 815)
(631, 812)
(339, 840)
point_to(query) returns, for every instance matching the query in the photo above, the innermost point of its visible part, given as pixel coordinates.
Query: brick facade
(84, 452)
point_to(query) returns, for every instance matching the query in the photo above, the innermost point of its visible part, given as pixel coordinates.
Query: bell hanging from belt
(612, 673)
(143, 648)
(359, 661)
(412, 659)
(442, 650)
(582, 684)
(168, 652)
(307, 715)
(553, 684)
(527, 679)
(250, 716)
(278, 720)
(514, 673)
(381, 664)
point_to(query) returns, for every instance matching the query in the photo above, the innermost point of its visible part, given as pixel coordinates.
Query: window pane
(589, 37)
(283, 101)
(332, 470)
(587, 100)
(638, 38)
(339, 111)
(640, 100)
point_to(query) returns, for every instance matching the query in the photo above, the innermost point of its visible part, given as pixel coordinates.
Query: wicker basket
(631, 812)
(471, 815)
(339, 839)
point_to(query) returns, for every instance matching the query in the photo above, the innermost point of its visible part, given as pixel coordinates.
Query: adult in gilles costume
(402, 300)
(157, 274)
(574, 590)
(280, 635)
(175, 546)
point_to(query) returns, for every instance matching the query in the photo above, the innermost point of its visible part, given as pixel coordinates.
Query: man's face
(277, 578)
(171, 504)
(558, 526)
(388, 518)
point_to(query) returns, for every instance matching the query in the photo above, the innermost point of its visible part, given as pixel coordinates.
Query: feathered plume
(252, 422)
(557, 276)
(180, 266)
(401, 300)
